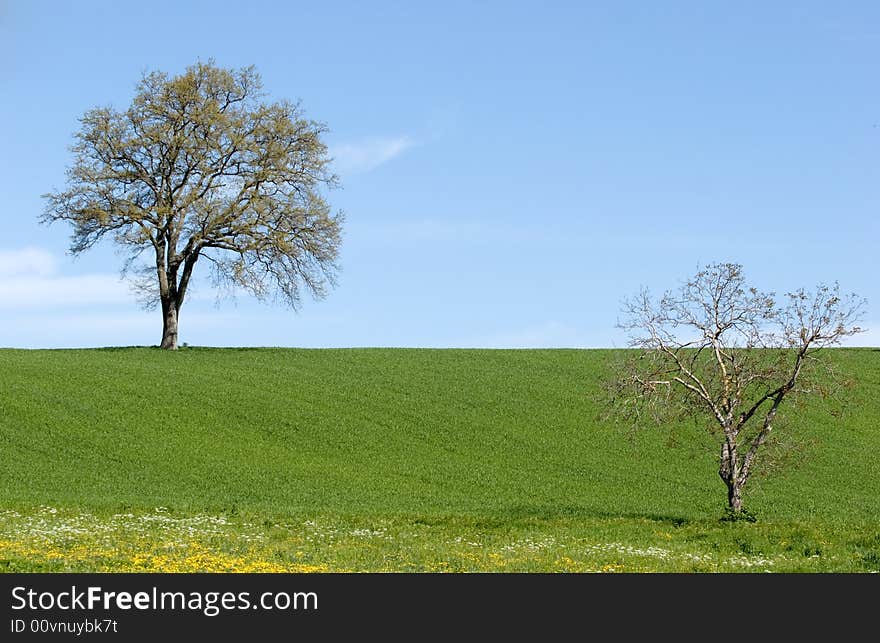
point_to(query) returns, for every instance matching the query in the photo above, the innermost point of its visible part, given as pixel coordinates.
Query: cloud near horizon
(29, 279)
(367, 154)
(29, 261)
(41, 306)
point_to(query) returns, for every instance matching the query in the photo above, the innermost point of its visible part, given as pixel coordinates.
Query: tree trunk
(734, 496)
(169, 325)
(729, 472)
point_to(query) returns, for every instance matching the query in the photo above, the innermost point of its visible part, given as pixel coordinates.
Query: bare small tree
(200, 167)
(719, 349)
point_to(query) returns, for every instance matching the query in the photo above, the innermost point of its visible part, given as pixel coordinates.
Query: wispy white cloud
(55, 291)
(26, 261)
(369, 153)
(29, 279)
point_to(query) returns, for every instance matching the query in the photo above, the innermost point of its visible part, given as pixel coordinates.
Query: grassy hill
(401, 459)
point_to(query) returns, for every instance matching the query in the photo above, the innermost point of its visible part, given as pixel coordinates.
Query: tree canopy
(200, 166)
(722, 351)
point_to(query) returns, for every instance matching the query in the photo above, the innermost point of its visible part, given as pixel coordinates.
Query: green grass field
(401, 460)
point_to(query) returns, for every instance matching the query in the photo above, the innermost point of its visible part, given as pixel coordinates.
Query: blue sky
(510, 171)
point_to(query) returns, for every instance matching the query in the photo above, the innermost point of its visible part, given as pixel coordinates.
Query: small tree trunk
(734, 496)
(169, 325)
(729, 472)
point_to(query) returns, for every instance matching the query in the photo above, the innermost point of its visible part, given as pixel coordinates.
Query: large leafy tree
(201, 166)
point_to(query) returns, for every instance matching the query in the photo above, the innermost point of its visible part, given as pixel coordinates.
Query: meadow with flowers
(352, 460)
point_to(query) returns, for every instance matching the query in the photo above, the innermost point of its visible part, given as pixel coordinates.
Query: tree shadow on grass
(528, 514)
(580, 513)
